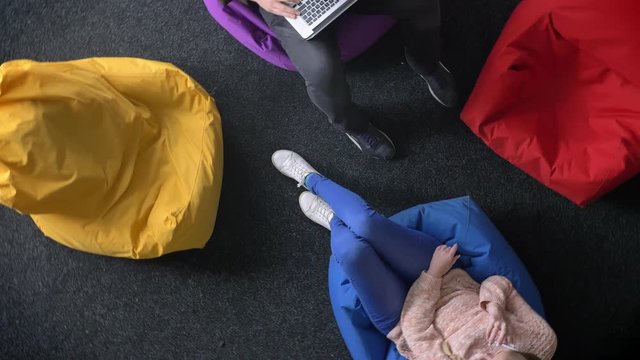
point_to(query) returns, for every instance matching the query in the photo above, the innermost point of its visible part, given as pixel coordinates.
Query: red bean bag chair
(559, 96)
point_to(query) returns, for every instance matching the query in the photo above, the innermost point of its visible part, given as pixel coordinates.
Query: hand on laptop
(280, 7)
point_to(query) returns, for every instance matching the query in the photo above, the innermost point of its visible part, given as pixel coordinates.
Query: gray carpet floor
(258, 290)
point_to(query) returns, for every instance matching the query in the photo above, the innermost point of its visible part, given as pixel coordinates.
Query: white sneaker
(292, 165)
(316, 209)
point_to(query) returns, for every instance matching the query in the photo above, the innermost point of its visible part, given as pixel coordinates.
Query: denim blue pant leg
(380, 257)
(380, 289)
(407, 251)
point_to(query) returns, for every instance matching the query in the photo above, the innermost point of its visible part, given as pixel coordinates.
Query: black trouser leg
(318, 61)
(420, 21)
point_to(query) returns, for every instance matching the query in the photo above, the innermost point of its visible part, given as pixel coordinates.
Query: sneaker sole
(375, 157)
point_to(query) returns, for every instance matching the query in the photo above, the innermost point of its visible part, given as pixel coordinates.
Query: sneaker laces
(325, 211)
(438, 80)
(439, 76)
(298, 170)
(372, 140)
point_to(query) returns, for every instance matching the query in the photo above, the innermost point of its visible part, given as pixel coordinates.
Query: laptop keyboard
(311, 10)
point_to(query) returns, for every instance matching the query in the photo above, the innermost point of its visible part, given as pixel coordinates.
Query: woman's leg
(406, 251)
(380, 290)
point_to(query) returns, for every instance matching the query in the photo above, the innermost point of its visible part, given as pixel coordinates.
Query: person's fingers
(501, 334)
(487, 333)
(279, 12)
(454, 248)
(287, 3)
(281, 9)
(493, 333)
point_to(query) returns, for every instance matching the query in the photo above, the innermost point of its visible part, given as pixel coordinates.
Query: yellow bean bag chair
(113, 156)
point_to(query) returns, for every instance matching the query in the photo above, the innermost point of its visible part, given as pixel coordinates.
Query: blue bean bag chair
(484, 252)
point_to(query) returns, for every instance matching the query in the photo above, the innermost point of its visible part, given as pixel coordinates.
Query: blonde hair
(523, 355)
(529, 356)
(519, 355)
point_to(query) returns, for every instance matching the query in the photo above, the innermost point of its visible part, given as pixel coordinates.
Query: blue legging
(381, 258)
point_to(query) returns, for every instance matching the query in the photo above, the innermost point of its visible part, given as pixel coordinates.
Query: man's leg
(318, 61)
(381, 291)
(407, 251)
(420, 21)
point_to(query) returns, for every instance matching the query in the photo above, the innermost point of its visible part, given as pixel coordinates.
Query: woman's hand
(497, 332)
(442, 260)
(280, 7)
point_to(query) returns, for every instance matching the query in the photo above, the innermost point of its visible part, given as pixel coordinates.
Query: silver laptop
(315, 15)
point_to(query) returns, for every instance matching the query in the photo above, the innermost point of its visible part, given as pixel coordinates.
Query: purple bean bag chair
(355, 33)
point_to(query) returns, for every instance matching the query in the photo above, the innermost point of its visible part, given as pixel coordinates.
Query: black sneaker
(374, 143)
(442, 86)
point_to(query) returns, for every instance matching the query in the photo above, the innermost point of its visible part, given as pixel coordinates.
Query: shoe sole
(431, 90)
(375, 157)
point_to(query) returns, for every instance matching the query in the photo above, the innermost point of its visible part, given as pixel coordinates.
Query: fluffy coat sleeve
(495, 289)
(416, 322)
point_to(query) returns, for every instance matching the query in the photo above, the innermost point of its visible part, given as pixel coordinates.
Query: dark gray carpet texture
(258, 290)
